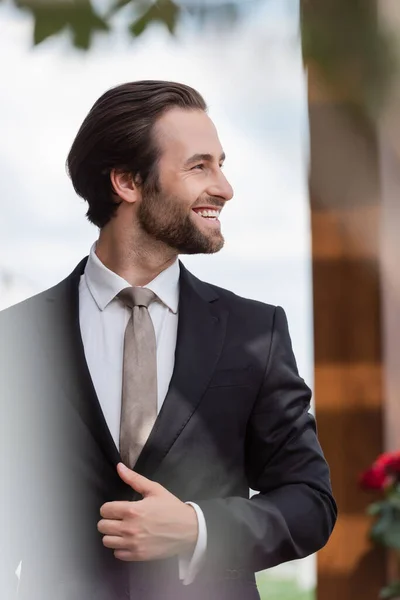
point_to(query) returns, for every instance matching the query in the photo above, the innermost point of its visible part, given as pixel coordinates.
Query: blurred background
(305, 96)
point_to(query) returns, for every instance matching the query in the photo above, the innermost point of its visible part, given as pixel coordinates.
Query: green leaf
(163, 11)
(120, 4)
(390, 591)
(394, 500)
(84, 21)
(170, 14)
(137, 28)
(83, 31)
(47, 23)
(381, 527)
(51, 17)
(391, 536)
(375, 508)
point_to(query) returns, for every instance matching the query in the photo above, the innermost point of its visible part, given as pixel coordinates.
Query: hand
(159, 526)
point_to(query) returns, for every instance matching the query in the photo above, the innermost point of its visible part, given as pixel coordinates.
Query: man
(142, 403)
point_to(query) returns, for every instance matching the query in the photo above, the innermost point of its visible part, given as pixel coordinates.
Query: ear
(124, 186)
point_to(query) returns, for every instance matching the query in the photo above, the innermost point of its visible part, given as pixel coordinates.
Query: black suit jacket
(235, 416)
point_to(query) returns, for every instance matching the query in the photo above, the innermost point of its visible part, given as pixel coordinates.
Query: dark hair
(117, 133)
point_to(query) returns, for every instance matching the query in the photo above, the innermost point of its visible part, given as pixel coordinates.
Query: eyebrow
(205, 157)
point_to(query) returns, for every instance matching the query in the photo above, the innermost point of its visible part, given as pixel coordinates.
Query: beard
(165, 218)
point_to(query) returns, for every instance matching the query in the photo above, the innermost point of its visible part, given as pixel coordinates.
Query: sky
(252, 78)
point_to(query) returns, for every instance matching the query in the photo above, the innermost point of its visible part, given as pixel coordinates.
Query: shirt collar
(104, 284)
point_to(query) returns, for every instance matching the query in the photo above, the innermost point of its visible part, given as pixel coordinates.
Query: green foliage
(50, 18)
(384, 475)
(386, 528)
(375, 508)
(355, 54)
(391, 591)
(271, 588)
(167, 13)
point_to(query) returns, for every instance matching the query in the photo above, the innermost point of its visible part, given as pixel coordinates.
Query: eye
(198, 167)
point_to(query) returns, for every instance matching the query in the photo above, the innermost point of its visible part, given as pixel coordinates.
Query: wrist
(191, 529)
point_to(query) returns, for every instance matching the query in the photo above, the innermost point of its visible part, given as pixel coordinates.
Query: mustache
(211, 201)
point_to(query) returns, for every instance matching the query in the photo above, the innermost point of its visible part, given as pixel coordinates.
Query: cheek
(193, 190)
(187, 193)
(188, 188)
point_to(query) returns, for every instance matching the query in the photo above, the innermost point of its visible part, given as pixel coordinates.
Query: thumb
(137, 482)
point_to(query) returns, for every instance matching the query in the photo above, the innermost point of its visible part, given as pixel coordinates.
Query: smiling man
(148, 401)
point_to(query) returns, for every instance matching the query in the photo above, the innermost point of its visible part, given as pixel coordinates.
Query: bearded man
(141, 404)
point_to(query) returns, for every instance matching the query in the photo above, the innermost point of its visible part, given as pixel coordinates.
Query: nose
(221, 187)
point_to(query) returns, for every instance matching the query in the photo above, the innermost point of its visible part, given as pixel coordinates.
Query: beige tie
(139, 380)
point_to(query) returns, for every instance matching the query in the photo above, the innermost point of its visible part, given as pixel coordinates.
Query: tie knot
(136, 296)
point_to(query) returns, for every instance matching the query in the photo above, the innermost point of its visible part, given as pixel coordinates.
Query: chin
(201, 248)
(216, 247)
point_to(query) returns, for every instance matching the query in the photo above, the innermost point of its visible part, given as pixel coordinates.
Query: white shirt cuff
(191, 564)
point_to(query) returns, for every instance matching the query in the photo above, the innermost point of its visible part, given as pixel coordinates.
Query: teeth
(209, 213)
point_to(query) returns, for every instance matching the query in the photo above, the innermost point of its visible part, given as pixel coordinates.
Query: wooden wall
(345, 201)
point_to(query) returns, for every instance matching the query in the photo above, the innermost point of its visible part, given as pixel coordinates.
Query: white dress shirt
(103, 320)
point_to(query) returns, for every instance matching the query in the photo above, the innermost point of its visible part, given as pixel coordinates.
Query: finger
(137, 482)
(115, 510)
(110, 527)
(125, 555)
(114, 542)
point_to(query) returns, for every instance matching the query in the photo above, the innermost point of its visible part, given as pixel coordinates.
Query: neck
(135, 259)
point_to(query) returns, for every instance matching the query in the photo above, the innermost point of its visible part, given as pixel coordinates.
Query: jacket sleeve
(293, 513)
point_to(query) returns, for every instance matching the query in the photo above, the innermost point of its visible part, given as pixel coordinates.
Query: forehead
(181, 133)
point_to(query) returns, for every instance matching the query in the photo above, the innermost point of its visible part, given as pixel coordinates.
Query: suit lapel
(201, 332)
(68, 357)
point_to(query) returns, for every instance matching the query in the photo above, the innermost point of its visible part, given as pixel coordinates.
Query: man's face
(192, 188)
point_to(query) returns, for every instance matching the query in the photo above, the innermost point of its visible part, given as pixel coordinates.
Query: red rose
(393, 465)
(390, 462)
(383, 460)
(373, 479)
